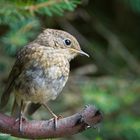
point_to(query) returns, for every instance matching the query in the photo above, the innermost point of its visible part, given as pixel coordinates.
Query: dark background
(109, 31)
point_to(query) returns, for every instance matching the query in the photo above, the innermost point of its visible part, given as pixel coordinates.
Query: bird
(41, 71)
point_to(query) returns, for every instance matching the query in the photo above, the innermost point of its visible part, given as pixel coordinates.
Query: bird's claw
(20, 121)
(55, 119)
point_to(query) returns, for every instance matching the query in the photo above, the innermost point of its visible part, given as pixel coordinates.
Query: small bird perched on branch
(41, 71)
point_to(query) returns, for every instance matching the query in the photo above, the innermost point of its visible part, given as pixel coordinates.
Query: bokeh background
(109, 30)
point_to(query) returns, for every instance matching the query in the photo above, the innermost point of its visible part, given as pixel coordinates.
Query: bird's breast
(42, 80)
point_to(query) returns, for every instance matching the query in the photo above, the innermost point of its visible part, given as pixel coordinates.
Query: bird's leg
(20, 116)
(51, 112)
(17, 112)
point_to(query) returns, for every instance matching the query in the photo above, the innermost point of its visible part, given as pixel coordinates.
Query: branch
(76, 123)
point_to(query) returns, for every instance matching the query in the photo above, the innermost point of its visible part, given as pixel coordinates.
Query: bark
(89, 117)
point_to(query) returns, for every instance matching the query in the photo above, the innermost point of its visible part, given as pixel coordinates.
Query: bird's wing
(16, 70)
(22, 58)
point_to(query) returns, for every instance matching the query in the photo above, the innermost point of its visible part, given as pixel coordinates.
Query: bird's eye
(67, 42)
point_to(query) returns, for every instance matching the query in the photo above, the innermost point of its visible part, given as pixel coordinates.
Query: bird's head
(61, 41)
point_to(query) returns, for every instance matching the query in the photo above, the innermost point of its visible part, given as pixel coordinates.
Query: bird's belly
(48, 90)
(40, 89)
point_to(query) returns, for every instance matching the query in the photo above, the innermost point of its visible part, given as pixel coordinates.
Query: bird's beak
(80, 52)
(83, 53)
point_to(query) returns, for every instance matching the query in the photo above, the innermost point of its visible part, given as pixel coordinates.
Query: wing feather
(11, 80)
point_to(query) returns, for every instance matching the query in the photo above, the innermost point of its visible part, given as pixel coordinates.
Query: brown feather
(9, 87)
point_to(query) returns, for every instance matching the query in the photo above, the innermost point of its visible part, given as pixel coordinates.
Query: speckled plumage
(41, 69)
(43, 76)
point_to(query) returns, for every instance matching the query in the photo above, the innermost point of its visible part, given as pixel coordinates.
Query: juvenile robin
(41, 71)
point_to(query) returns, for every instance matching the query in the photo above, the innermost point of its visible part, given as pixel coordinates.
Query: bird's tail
(5, 97)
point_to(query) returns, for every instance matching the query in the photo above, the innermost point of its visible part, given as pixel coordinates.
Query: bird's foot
(55, 119)
(60, 117)
(23, 119)
(20, 121)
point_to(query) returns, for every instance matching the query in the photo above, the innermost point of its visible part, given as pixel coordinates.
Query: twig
(76, 123)
(43, 4)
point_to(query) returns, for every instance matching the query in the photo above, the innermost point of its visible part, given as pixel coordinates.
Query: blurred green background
(109, 30)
